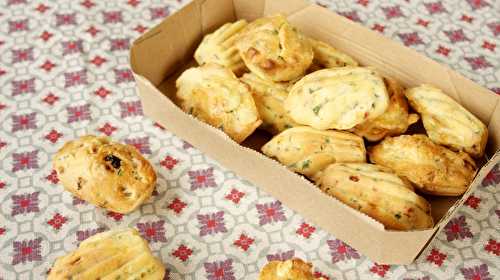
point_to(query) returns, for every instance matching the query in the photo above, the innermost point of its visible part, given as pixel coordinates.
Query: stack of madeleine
(328, 115)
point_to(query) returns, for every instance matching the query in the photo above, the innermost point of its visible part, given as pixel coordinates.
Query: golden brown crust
(220, 47)
(337, 98)
(329, 57)
(115, 254)
(377, 192)
(307, 150)
(394, 121)
(269, 98)
(107, 174)
(433, 169)
(274, 50)
(447, 122)
(295, 269)
(214, 95)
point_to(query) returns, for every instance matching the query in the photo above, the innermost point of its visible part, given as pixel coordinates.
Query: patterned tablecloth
(64, 73)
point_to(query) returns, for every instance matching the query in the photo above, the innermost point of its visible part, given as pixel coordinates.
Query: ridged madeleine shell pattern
(220, 47)
(213, 94)
(337, 98)
(447, 122)
(269, 98)
(432, 168)
(116, 254)
(329, 57)
(307, 150)
(377, 192)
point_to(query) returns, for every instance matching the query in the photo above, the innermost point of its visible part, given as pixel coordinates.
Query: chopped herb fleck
(120, 172)
(316, 109)
(306, 164)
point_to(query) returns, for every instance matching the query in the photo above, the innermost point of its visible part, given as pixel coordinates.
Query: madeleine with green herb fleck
(119, 254)
(269, 97)
(337, 98)
(307, 151)
(377, 192)
(108, 174)
(447, 122)
(394, 121)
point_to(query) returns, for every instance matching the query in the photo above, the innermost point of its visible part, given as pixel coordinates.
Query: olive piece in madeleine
(377, 192)
(432, 168)
(107, 174)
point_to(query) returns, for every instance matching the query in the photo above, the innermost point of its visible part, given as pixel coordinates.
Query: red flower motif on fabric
(212, 223)
(25, 161)
(23, 86)
(2, 185)
(159, 12)
(22, 55)
(222, 270)
(98, 61)
(133, 3)
(456, 35)
(92, 30)
(75, 78)
(305, 230)
(443, 50)
(493, 177)
(473, 201)
(457, 229)
(53, 136)
(123, 76)
(177, 205)
(467, 18)
(422, 22)
(392, 12)
(477, 4)
(139, 28)
(363, 2)
(102, 92)
(84, 234)
(52, 177)
(182, 253)
(112, 17)
(47, 65)
(479, 272)
(77, 201)
(79, 113)
(270, 213)
(489, 46)
(87, 4)
(57, 221)
(352, 15)
(107, 129)
(493, 247)
(65, 19)
(115, 216)
(410, 39)
(203, 178)
(169, 162)
(320, 276)
(153, 231)
(23, 122)
(41, 8)
(244, 242)
(2, 231)
(435, 8)
(27, 251)
(341, 251)
(50, 99)
(71, 47)
(18, 25)
(120, 44)
(281, 256)
(380, 269)
(46, 35)
(378, 27)
(478, 62)
(235, 196)
(436, 257)
(494, 27)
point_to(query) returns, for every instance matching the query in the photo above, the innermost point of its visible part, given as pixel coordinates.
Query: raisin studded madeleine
(394, 121)
(447, 122)
(116, 254)
(295, 269)
(306, 150)
(214, 95)
(269, 97)
(220, 47)
(274, 50)
(107, 174)
(329, 57)
(432, 168)
(377, 192)
(337, 98)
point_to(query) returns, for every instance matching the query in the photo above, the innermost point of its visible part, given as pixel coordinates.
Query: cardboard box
(160, 55)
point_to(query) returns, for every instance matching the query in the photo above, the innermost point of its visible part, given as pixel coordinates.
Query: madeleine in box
(158, 61)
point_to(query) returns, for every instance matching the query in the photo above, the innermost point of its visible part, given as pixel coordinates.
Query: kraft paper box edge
(156, 56)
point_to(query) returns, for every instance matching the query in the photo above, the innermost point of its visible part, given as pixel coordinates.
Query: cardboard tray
(161, 54)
